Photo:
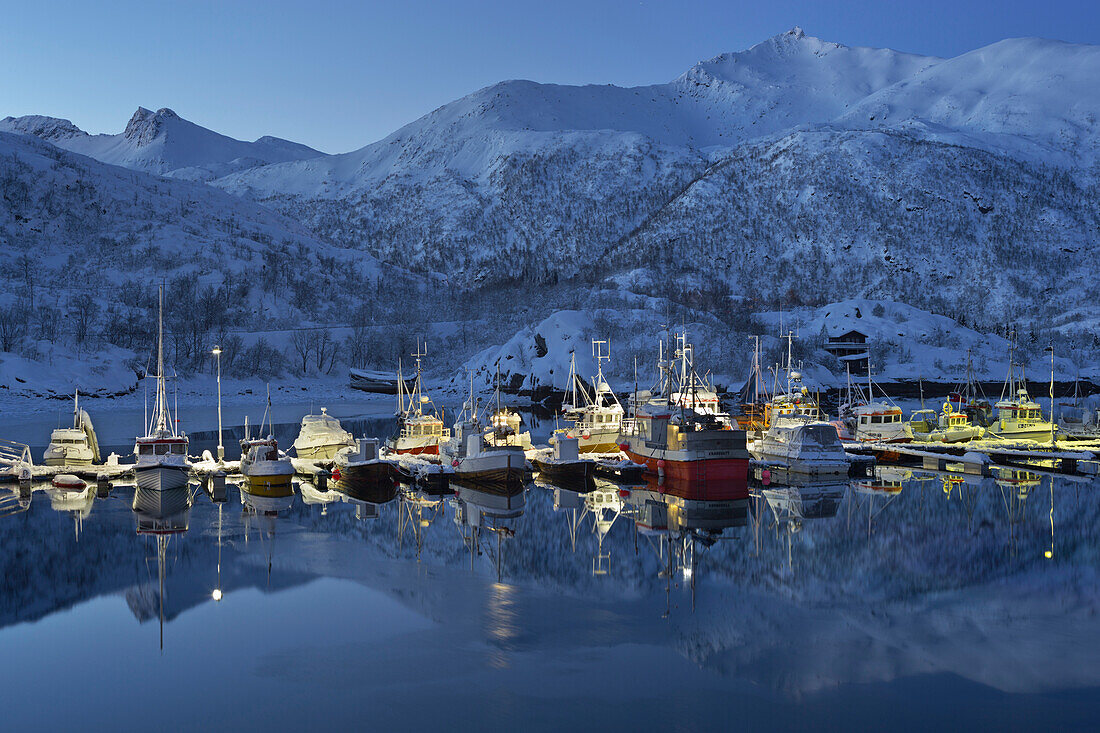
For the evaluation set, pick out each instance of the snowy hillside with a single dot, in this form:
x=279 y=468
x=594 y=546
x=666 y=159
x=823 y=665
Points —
x=83 y=246
x=842 y=172
x=164 y=143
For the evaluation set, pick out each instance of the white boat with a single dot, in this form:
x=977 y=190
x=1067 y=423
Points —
x=161 y=453
x=807 y=447
x=75 y=446
x=596 y=419
x=419 y=430
x=320 y=437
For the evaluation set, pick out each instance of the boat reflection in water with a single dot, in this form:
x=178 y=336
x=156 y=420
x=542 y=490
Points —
x=417 y=511
x=787 y=499
x=75 y=501
x=262 y=511
x=494 y=508
x=162 y=514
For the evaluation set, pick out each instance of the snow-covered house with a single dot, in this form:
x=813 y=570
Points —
x=850 y=347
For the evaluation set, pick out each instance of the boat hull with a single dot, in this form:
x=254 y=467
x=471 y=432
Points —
x=420 y=450
x=372 y=481
x=579 y=476
x=500 y=472
x=278 y=485
x=68 y=462
x=319 y=452
x=161 y=478
x=710 y=478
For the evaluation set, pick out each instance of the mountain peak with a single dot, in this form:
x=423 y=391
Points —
x=145 y=125
x=41 y=126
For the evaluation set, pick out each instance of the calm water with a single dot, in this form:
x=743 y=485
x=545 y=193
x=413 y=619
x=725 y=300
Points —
x=909 y=601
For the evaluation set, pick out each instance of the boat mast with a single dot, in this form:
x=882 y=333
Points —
x=400 y=387
x=417 y=389
x=160 y=410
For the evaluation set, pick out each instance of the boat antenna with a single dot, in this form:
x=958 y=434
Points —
x=1053 y=437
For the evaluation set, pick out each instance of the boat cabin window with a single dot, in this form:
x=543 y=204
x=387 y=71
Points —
x=876 y=418
x=145 y=450
x=179 y=449
x=161 y=449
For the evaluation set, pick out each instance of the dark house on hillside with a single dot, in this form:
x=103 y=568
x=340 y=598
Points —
x=851 y=348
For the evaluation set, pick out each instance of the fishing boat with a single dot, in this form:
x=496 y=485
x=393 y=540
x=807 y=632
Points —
x=75 y=446
x=1075 y=421
x=683 y=438
x=564 y=466
x=1016 y=416
x=810 y=447
x=161 y=453
x=495 y=460
x=947 y=426
x=419 y=430
x=266 y=470
x=361 y=473
x=866 y=418
x=796 y=404
x=597 y=418
x=320 y=437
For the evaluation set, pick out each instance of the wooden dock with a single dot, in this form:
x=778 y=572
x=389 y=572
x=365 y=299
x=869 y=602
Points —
x=981 y=457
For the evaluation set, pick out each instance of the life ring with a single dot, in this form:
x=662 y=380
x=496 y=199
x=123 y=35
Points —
x=586 y=434
x=946 y=408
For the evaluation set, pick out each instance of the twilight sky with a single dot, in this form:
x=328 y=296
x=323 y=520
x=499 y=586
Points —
x=338 y=75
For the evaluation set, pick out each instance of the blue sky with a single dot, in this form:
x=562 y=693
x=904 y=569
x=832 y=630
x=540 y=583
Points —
x=339 y=75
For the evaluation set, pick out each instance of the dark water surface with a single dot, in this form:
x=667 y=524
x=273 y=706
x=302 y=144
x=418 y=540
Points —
x=912 y=601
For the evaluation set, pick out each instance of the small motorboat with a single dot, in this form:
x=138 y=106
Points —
x=69 y=482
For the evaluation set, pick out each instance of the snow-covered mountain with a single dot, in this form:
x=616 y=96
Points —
x=860 y=172
x=793 y=174
x=84 y=244
x=164 y=143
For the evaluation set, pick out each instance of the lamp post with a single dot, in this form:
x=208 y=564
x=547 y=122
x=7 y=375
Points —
x=217 y=352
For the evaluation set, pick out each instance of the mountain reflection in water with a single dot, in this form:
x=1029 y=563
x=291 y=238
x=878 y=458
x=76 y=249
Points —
x=799 y=591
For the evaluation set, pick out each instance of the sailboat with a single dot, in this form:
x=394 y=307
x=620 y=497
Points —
x=75 y=446
x=162 y=461
x=419 y=431
x=597 y=418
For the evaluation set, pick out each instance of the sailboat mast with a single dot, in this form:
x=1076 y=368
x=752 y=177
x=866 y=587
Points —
x=162 y=397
